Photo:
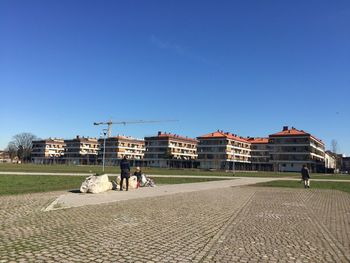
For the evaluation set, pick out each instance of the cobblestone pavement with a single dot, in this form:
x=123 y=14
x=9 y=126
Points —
x=236 y=224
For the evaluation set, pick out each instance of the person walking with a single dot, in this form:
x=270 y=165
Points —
x=124 y=173
x=305 y=176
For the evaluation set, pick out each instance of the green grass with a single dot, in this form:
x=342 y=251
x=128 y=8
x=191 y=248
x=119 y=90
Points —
x=157 y=171
x=114 y=169
x=335 y=176
x=342 y=186
x=23 y=184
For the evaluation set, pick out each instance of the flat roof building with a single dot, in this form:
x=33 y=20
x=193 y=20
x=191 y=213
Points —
x=81 y=150
x=46 y=151
x=119 y=146
x=170 y=150
x=5 y=157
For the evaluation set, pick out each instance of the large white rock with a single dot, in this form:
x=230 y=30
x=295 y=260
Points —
x=132 y=182
x=96 y=184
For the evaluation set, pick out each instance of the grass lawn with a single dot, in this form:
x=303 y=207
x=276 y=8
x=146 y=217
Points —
x=22 y=184
x=342 y=186
x=57 y=168
x=114 y=169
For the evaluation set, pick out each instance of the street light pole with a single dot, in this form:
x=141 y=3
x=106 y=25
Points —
x=233 y=157
x=104 y=149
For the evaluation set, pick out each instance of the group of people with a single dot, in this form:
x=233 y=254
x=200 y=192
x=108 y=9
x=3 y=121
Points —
x=125 y=174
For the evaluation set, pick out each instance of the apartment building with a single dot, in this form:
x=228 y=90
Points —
x=346 y=165
x=170 y=150
x=224 y=150
x=4 y=157
x=330 y=162
x=260 y=154
x=47 y=151
x=291 y=148
x=81 y=150
x=119 y=146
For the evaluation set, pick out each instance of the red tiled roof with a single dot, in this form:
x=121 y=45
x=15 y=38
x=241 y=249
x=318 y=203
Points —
x=258 y=140
x=290 y=132
x=294 y=132
x=165 y=135
x=221 y=134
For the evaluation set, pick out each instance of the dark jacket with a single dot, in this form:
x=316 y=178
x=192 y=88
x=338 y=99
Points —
x=138 y=175
x=125 y=167
x=305 y=175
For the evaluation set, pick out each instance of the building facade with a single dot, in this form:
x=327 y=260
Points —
x=330 y=162
x=48 y=151
x=81 y=150
x=5 y=157
x=260 y=154
x=170 y=150
x=119 y=146
x=224 y=150
x=346 y=165
x=290 y=149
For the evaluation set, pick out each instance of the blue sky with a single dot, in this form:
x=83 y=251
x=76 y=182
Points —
x=248 y=67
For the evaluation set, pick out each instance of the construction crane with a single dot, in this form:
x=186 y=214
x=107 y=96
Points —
x=110 y=123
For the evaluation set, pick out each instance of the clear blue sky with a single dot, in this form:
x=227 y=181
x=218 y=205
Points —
x=247 y=67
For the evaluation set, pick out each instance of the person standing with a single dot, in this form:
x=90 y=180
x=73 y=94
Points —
x=305 y=176
x=124 y=173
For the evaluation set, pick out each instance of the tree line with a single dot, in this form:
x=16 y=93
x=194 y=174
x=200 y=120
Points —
x=21 y=146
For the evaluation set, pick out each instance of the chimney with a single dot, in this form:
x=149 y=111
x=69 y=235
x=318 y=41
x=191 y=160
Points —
x=285 y=128
x=159 y=133
x=78 y=137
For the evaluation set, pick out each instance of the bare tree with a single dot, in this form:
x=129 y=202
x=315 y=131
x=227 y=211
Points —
x=334 y=146
x=12 y=151
x=22 y=144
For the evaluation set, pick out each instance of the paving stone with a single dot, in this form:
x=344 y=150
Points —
x=238 y=224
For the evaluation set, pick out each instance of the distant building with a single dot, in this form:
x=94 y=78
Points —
x=47 y=151
x=260 y=154
x=291 y=148
x=339 y=158
x=4 y=157
x=330 y=162
x=346 y=164
x=81 y=150
x=170 y=150
x=224 y=150
x=119 y=146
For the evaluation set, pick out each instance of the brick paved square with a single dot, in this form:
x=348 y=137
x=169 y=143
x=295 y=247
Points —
x=235 y=224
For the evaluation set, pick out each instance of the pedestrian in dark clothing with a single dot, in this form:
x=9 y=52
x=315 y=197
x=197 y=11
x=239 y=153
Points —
x=138 y=174
x=305 y=176
x=124 y=173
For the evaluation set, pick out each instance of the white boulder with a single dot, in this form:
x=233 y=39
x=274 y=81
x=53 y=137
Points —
x=132 y=182
x=96 y=184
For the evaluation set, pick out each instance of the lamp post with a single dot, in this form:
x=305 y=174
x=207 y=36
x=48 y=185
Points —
x=233 y=157
x=104 y=149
